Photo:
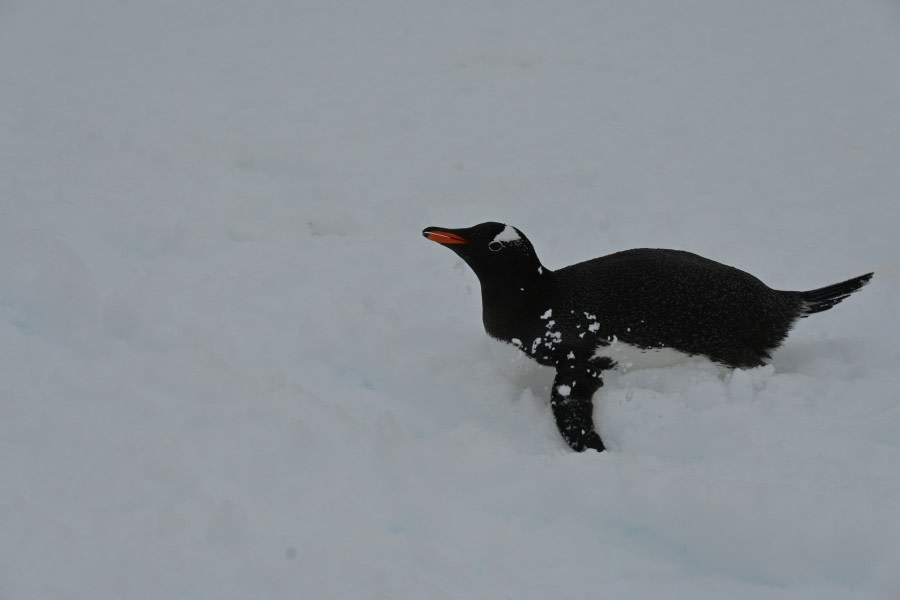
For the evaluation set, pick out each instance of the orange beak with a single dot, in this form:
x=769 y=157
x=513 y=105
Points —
x=444 y=237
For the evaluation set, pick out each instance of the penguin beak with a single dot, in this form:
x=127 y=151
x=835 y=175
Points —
x=436 y=234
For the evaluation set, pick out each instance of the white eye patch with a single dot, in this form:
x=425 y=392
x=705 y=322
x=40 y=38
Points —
x=509 y=234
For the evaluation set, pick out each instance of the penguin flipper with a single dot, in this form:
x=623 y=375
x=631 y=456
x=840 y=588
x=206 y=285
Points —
x=573 y=408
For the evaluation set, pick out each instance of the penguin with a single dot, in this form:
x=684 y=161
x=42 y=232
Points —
x=635 y=308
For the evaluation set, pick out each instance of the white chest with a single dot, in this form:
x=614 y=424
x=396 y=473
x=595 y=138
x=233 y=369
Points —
x=524 y=371
x=520 y=368
x=628 y=357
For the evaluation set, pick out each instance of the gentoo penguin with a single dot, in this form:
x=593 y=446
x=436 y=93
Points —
x=635 y=308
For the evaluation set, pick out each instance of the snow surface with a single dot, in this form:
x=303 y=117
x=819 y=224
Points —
x=232 y=368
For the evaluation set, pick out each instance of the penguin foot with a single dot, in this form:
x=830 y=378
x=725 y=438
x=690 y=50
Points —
x=573 y=409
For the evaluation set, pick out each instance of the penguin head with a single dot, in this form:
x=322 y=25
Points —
x=493 y=250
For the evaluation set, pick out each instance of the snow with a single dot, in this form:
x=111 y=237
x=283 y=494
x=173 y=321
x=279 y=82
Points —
x=232 y=367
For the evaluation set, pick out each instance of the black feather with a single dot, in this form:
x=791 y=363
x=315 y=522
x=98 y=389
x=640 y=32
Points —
x=824 y=298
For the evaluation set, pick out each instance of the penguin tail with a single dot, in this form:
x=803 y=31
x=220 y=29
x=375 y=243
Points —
x=824 y=298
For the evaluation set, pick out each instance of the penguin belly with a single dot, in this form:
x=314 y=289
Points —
x=520 y=368
x=524 y=371
x=628 y=357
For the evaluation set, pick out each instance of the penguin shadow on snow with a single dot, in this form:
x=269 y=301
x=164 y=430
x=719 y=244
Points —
x=635 y=309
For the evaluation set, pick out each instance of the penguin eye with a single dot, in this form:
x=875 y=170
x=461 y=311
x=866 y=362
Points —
x=495 y=246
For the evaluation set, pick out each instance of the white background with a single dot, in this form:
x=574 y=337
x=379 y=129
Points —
x=231 y=367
